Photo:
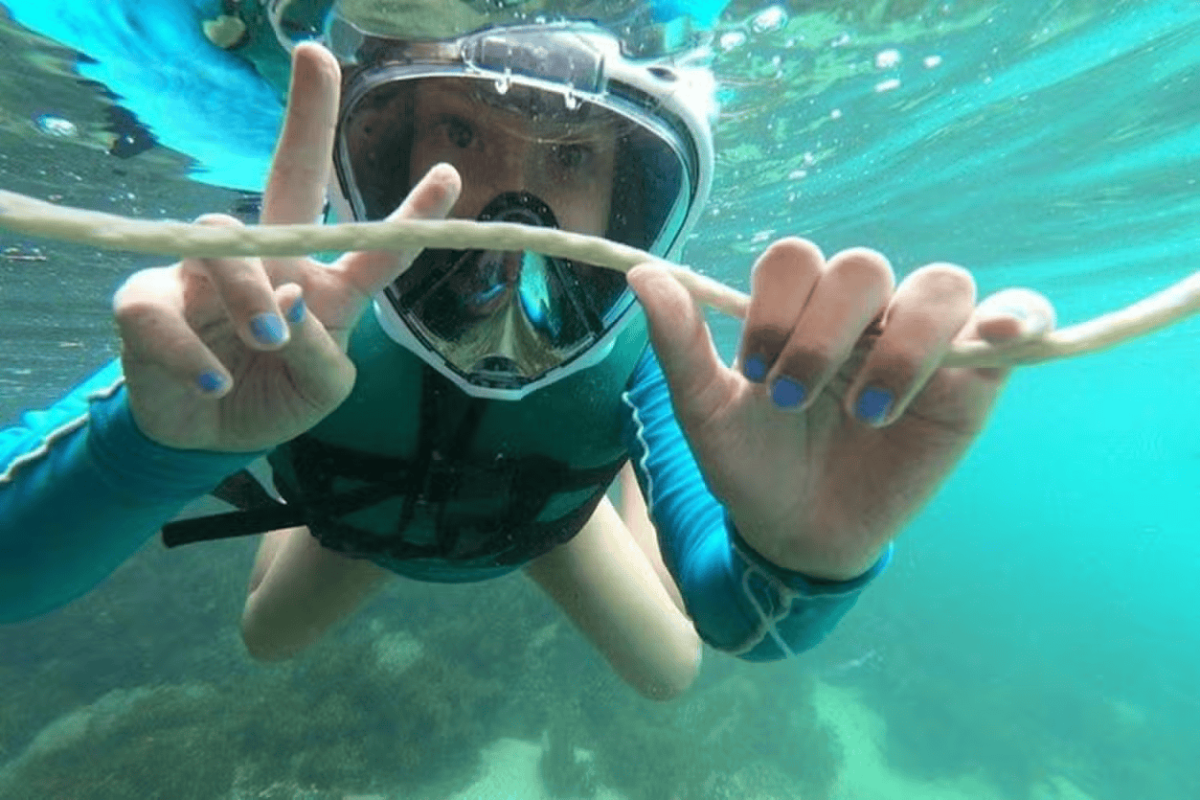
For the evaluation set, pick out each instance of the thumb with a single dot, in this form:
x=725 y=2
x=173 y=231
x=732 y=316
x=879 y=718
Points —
x=681 y=340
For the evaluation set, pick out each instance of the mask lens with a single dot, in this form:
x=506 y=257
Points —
x=527 y=154
x=562 y=147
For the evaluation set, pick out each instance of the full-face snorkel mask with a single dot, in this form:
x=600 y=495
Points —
x=549 y=125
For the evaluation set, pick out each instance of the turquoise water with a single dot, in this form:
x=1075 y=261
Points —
x=1038 y=624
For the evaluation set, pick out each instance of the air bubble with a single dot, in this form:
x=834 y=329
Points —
x=770 y=19
x=52 y=125
x=731 y=40
x=504 y=82
x=887 y=59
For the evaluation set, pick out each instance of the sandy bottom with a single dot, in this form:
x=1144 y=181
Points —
x=511 y=773
x=511 y=766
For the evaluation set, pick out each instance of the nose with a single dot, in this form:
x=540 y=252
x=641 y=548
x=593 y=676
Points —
x=510 y=168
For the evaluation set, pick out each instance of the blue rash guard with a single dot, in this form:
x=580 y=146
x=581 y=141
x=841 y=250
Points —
x=82 y=489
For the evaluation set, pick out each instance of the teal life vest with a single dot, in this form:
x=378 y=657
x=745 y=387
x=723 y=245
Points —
x=410 y=470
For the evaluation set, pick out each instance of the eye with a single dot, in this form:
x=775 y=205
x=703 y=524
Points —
x=459 y=132
x=572 y=156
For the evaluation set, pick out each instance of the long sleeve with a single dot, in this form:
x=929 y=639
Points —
x=81 y=489
x=739 y=602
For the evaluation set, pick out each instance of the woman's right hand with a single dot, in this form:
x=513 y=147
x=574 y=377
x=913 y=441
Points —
x=243 y=354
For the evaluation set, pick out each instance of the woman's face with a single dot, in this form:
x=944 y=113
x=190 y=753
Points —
x=565 y=162
x=524 y=154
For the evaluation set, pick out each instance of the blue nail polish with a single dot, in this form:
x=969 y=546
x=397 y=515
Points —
x=295 y=314
x=787 y=393
x=873 y=405
x=210 y=382
x=268 y=329
x=755 y=368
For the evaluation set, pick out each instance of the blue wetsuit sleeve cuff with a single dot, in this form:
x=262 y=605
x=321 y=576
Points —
x=798 y=581
x=792 y=612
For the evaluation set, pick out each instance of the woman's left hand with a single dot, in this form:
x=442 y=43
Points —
x=836 y=424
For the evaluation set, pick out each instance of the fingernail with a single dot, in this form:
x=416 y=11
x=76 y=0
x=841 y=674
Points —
x=787 y=393
x=295 y=314
x=755 y=368
x=1020 y=312
x=1032 y=324
x=211 y=382
x=873 y=405
x=268 y=329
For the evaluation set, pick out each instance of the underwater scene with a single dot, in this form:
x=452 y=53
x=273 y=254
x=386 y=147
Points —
x=1036 y=635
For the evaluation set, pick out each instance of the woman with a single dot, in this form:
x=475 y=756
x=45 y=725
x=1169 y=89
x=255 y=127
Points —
x=456 y=415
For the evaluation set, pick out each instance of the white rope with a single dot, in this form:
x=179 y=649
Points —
x=187 y=240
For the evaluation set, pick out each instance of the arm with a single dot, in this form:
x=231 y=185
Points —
x=740 y=602
x=833 y=428
x=82 y=489
x=222 y=359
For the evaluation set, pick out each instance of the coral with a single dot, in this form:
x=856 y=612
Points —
x=346 y=718
x=140 y=743
x=340 y=720
x=374 y=709
x=686 y=749
x=567 y=771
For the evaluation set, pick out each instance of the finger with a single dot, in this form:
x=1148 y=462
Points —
x=780 y=285
x=300 y=170
x=851 y=293
x=321 y=372
x=156 y=336
x=245 y=292
x=432 y=198
x=1011 y=316
x=682 y=341
x=927 y=312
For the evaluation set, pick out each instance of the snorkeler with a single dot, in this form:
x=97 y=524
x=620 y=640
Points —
x=457 y=415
